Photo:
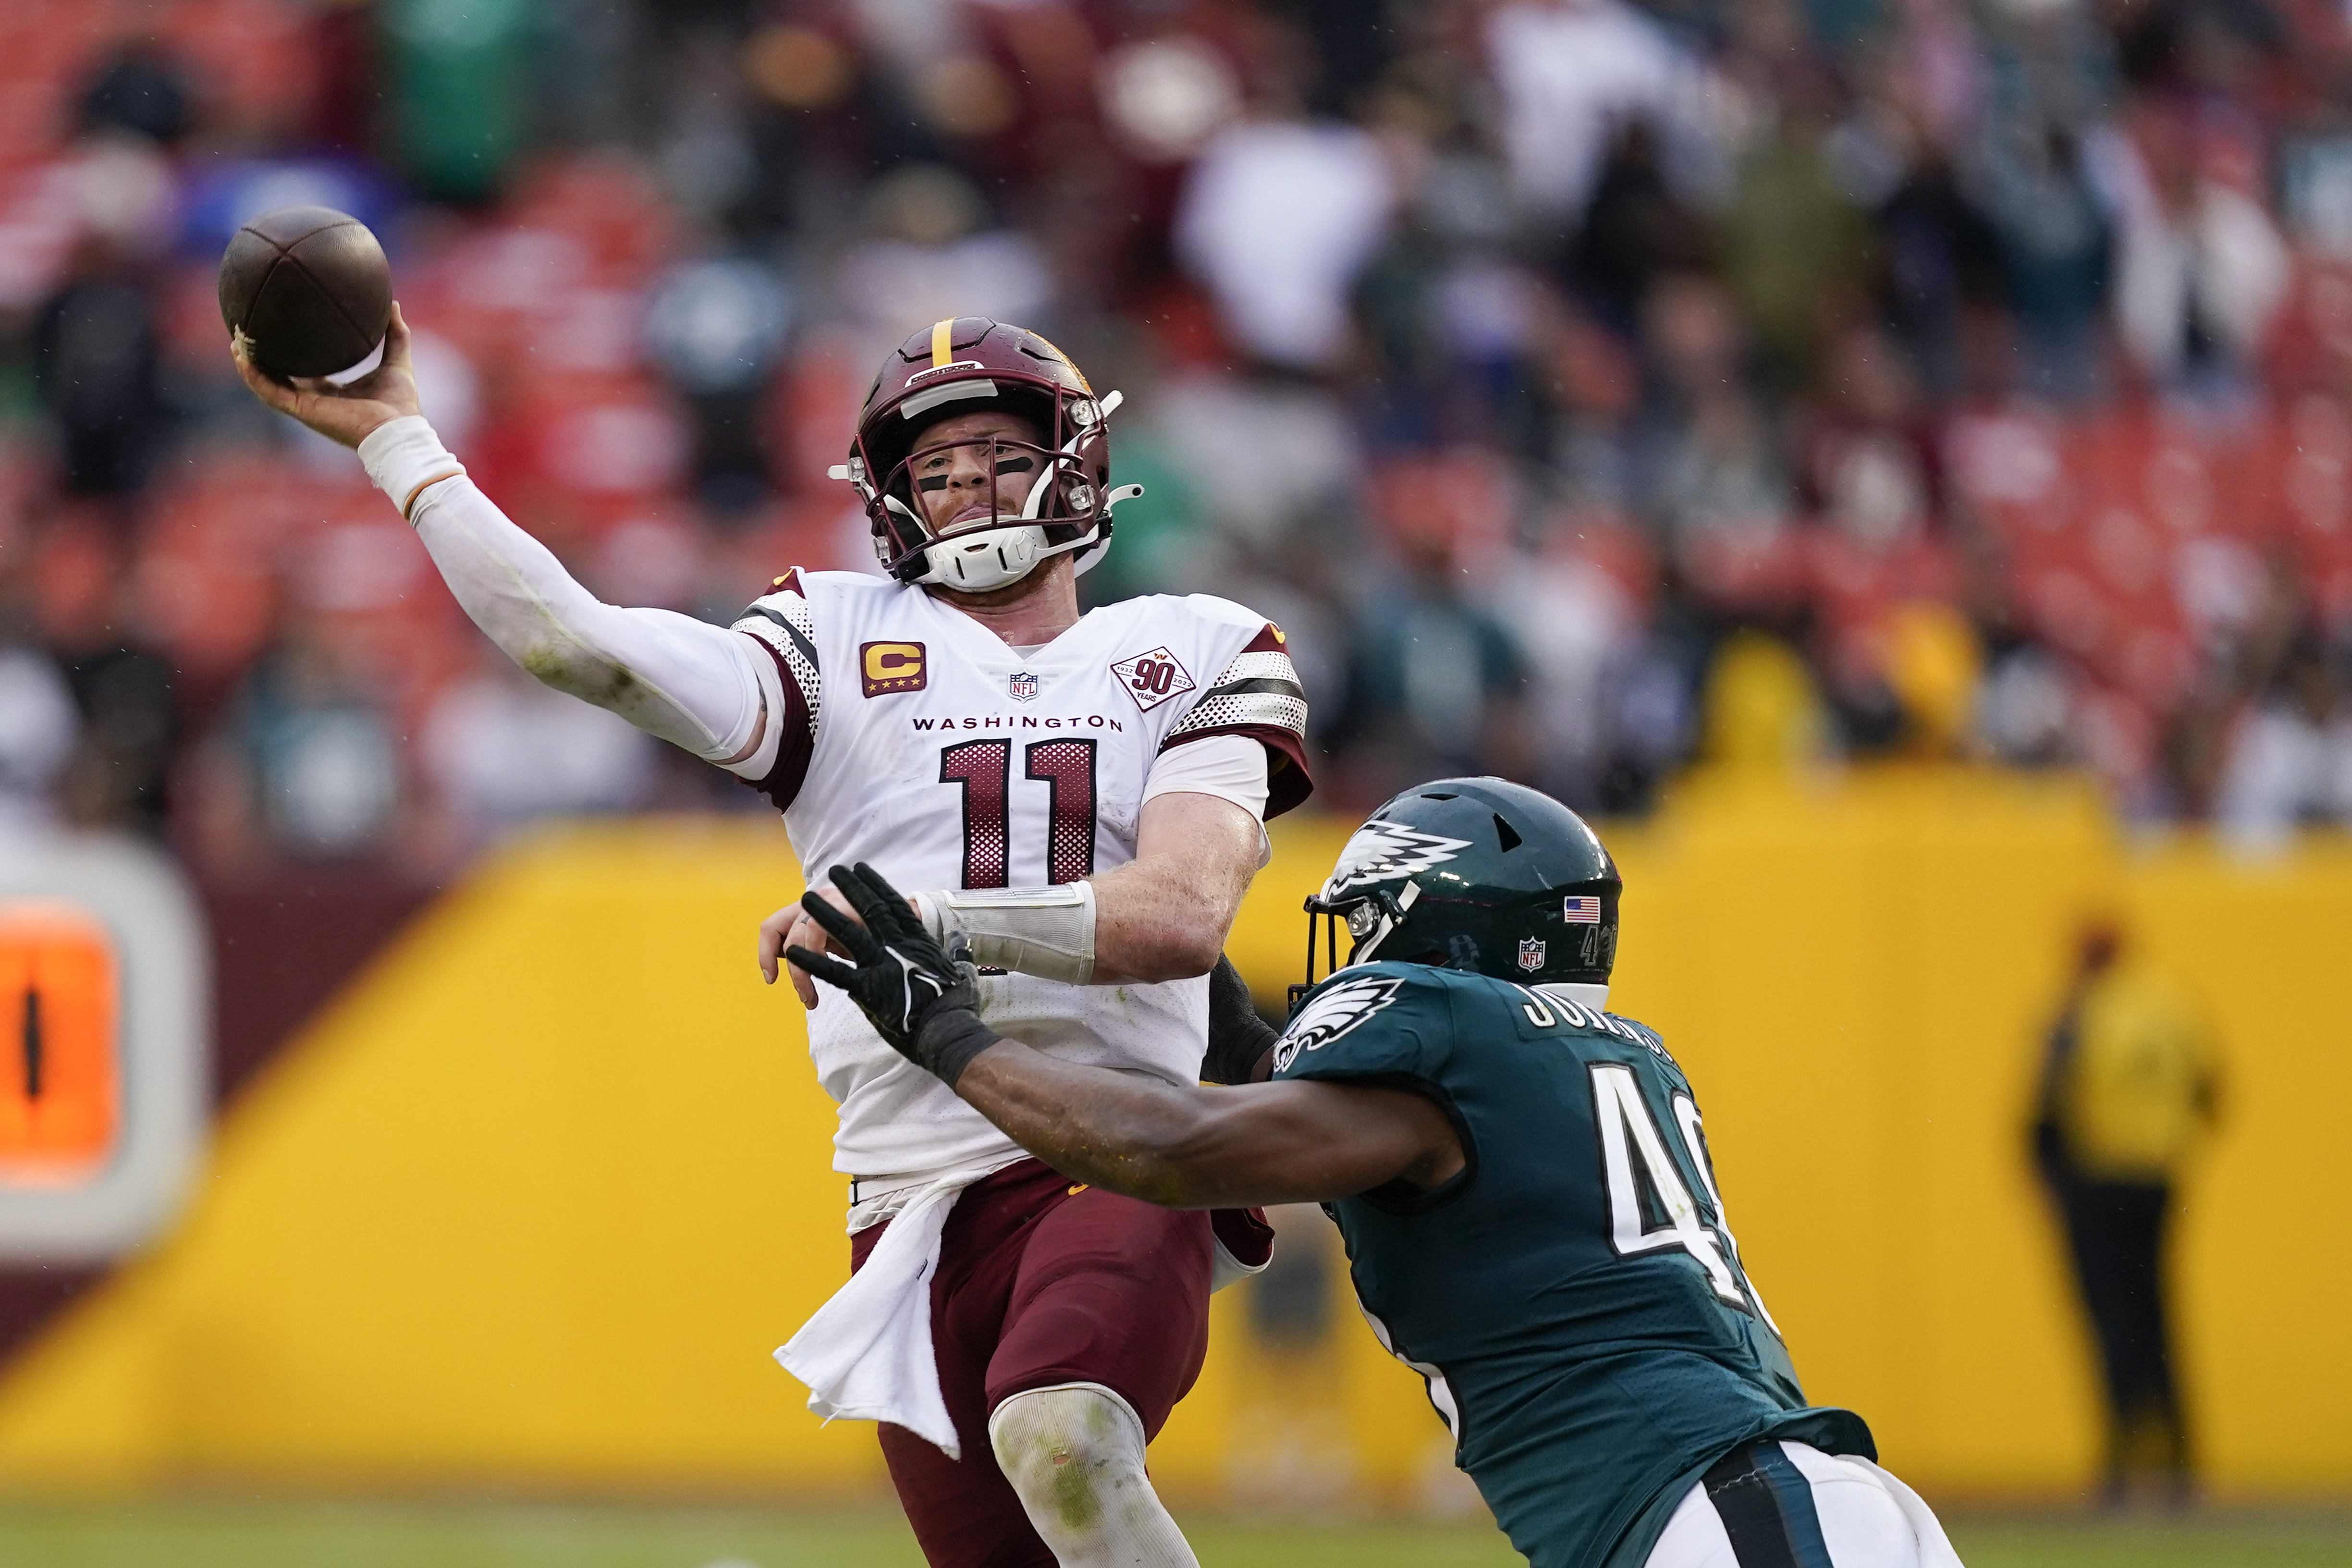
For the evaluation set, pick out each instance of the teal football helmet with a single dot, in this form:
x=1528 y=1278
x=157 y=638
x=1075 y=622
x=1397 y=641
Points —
x=1477 y=874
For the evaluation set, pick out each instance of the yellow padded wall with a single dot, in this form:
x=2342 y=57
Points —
x=530 y=1205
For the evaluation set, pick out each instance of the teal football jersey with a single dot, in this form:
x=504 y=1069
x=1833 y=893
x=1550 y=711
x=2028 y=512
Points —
x=1574 y=1297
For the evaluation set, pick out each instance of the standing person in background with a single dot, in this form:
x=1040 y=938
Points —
x=2126 y=1087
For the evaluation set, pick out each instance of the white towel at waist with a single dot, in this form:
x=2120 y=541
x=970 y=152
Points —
x=867 y=1354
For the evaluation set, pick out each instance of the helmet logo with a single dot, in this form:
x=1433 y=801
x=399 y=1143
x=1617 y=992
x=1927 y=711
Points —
x=1383 y=851
x=1022 y=686
x=1580 y=908
x=1532 y=952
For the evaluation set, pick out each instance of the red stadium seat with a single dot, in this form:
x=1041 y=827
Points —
x=610 y=203
x=254 y=62
x=2313 y=460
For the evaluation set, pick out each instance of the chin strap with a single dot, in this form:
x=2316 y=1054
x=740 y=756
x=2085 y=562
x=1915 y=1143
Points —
x=1392 y=913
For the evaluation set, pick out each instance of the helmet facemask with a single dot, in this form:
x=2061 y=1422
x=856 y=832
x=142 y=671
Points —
x=1060 y=512
x=1067 y=506
x=1370 y=915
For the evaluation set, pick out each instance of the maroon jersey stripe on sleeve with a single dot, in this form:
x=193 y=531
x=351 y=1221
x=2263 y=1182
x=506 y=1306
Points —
x=1244 y=1233
x=782 y=782
x=781 y=624
x=1269 y=640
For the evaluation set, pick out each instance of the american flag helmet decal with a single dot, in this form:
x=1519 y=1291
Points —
x=1580 y=908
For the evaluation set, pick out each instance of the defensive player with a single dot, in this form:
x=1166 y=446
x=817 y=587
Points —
x=1531 y=1217
x=1081 y=800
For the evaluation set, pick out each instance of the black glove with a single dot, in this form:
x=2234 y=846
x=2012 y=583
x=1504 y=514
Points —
x=1238 y=1037
x=922 y=999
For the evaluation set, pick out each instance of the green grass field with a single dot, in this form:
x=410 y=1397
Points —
x=221 y=1534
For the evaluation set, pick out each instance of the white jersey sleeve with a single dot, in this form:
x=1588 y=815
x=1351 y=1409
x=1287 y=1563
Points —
x=1231 y=767
x=694 y=685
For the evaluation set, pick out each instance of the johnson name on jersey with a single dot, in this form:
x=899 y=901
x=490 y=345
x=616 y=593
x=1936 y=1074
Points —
x=913 y=738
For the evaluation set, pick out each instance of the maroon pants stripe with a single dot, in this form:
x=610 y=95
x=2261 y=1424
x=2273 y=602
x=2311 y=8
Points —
x=1043 y=1282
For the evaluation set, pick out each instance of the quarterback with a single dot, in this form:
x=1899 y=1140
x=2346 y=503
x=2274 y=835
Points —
x=1078 y=801
x=1532 y=1218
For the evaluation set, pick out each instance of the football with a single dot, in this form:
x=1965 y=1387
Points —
x=308 y=289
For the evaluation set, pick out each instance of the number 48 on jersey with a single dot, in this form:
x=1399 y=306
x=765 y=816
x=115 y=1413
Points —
x=1645 y=1180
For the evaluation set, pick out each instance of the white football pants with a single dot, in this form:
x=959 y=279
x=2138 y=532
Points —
x=1788 y=1505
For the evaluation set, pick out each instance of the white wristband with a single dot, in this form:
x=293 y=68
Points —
x=403 y=456
x=1045 y=932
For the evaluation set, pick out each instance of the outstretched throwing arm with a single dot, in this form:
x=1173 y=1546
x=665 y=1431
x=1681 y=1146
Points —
x=695 y=684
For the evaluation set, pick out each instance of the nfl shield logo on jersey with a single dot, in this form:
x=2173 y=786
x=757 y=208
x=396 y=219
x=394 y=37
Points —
x=1023 y=686
x=1532 y=952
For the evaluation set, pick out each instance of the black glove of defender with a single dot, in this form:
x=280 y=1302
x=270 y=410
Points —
x=923 y=1000
x=1238 y=1037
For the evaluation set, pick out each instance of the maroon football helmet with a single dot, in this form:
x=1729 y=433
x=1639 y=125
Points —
x=962 y=366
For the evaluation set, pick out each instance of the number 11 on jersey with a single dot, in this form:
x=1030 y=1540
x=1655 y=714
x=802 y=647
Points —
x=983 y=769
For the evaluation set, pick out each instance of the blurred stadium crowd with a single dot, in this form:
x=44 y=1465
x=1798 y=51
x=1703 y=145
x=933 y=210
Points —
x=1589 y=387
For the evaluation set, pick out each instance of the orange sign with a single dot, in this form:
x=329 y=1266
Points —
x=60 y=1089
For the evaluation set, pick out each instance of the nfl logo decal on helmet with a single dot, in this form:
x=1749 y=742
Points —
x=1023 y=687
x=1531 y=954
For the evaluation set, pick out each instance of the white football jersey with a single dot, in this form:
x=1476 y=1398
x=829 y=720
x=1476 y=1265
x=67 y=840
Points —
x=917 y=740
